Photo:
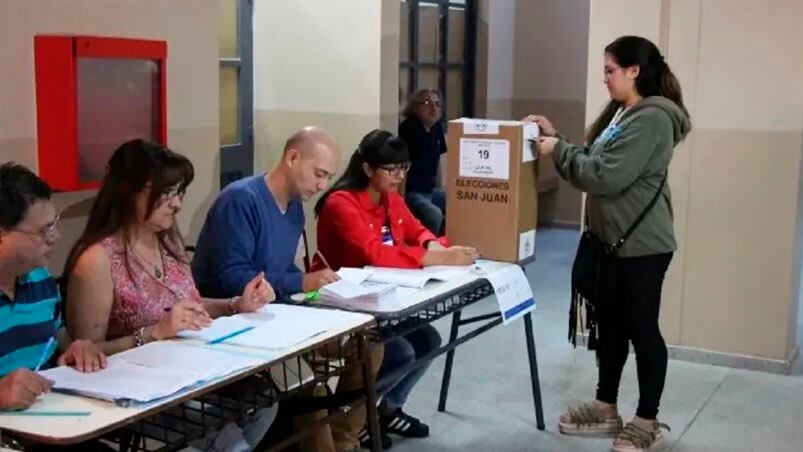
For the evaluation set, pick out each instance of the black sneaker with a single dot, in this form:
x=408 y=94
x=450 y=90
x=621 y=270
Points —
x=365 y=439
x=400 y=423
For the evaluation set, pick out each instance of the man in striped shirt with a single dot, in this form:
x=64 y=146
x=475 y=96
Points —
x=31 y=329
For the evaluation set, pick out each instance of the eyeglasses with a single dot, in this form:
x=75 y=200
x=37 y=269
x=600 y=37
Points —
x=609 y=70
x=397 y=170
x=429 y=103
x=171 y=192
x=46 y=234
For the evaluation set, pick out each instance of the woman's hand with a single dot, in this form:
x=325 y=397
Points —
x=187 y=315
x=460 y=255
x=545 y=126
x=545 y=145
x=435 y=245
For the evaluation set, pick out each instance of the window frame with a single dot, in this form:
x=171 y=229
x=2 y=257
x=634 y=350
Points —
x=237 y=159
x=412 y=65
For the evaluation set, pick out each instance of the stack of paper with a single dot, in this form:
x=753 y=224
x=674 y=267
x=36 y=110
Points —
x=150 y=372
x=417 y=278
x=393 y=300
x=347 y=290
x=355 y=284
x=354 y=275
x=275 y=327
x=221 y=329
x=287 y=325
x=449 y=272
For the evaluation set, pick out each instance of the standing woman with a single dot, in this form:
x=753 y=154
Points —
x=623 y=170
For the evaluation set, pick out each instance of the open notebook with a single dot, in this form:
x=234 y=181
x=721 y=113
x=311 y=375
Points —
x=151 y=372
x=417 y=278
x=275 y=327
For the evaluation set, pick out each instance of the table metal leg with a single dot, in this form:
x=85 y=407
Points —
x=370 y=394
x=535 y=380
x=447 y=370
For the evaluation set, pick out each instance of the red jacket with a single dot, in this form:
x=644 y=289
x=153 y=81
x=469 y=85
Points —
x=349 y=232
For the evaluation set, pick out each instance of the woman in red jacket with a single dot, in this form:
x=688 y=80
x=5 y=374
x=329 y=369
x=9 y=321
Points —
x=363 y=220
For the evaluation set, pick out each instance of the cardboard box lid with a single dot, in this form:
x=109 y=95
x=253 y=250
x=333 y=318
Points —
x=477 y=126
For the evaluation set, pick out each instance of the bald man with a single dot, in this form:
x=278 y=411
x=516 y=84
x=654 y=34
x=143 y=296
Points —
x=255 y=223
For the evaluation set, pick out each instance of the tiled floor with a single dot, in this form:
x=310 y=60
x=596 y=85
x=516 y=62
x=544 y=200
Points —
x=490 y=405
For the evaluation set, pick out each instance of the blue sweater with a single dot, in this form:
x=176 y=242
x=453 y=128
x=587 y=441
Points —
x=246 y=233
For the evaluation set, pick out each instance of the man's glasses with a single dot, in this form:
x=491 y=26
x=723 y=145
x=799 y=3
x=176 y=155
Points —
x=46 y=234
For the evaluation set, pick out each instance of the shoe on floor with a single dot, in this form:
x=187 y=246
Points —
x=384 y=439
x=633 y=438
x=587 y=419
x=400 y=423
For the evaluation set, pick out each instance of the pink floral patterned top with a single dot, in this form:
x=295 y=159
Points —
x=139 y=298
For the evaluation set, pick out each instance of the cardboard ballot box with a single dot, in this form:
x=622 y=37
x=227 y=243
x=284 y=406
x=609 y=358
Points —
x=492 y=187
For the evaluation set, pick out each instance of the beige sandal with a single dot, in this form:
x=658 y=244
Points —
x=587 y=419
x=633 y=438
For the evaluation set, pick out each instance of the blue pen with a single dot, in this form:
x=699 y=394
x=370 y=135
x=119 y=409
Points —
x=231 y=335
x=46 y=353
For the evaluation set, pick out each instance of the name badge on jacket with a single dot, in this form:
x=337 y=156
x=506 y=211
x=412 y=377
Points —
x=387 y=237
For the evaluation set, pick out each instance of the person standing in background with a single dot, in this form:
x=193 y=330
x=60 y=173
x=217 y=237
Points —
x=423 y=133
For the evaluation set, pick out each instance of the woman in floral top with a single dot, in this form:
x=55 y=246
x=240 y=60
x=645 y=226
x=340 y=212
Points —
x=128 y=277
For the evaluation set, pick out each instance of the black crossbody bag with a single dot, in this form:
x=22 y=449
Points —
x=593 y=273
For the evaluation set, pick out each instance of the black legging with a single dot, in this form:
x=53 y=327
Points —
x=629 y=313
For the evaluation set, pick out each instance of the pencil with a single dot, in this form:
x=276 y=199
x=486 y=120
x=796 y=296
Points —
x=323 y=259
x=231 y=335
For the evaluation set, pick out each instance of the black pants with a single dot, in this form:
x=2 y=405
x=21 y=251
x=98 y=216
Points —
x=627 y=313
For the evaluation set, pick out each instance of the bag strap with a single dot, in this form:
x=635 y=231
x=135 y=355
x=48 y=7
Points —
x=643 y=214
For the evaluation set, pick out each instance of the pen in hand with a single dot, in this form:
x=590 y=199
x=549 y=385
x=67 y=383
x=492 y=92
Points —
x=323 y=259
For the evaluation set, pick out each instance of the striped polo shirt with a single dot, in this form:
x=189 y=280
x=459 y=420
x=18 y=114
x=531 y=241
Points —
x=28 y=322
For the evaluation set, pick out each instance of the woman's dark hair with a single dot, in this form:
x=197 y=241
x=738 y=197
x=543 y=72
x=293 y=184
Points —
x=654 y=79
x=131 y=168
x=378 y=148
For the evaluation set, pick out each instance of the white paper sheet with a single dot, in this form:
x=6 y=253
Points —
x=347 y=289
x=513 y=292
x=484 y=158
x=395 y=300
x=220 y=327
x=449 y=272
x=354 y=275
x=400 y=277
x=150 y=372
x=417 y=278
x=284 y=326
x=526 y=244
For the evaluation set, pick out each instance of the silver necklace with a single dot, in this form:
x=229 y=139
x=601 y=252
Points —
x=157 y=271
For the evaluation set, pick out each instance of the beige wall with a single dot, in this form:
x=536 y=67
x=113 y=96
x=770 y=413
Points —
x=734 y=284
x=499 y=58
x=550 y=78
x=324 y=63
x=532 y=59
x=190 y=29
